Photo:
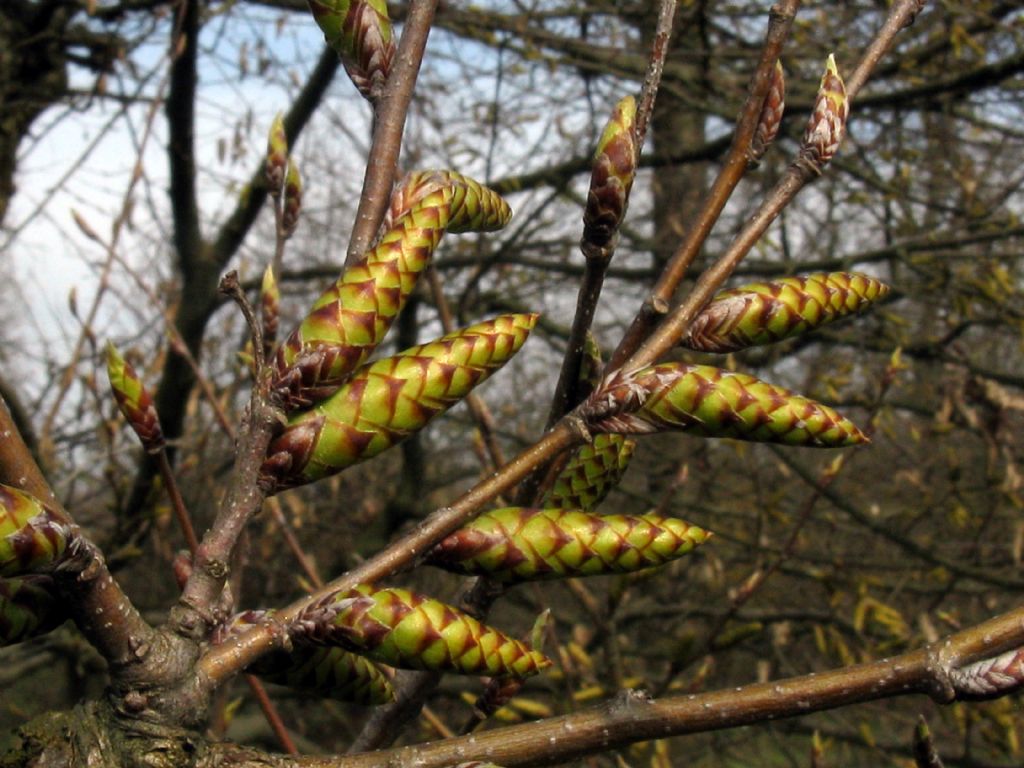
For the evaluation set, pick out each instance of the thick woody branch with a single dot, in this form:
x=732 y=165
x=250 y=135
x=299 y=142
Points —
x=633 y=717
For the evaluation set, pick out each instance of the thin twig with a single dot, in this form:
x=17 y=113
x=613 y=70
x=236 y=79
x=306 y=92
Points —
x=177 y=503
x=733 y=169
x=382 y=163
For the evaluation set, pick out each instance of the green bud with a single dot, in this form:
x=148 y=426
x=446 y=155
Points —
x=277 y=155
x=612 y=176
x=712 y=402
x=352 y=317
x=592 y=472
x=520 y=544
x=134 y=400
x=327 y=672
x=762 y=313
x=360 y=32
x=33 y=536
x=410 y=631
x=386 y=401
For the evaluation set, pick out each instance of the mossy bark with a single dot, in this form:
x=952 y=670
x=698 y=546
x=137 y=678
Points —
x=93 y=736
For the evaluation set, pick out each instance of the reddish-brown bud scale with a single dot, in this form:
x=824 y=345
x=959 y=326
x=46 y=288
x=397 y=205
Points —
x=361 y=33
x=292 y=200
x=771 y=115
x=827 y=124
x=410 y=631
x=612 y=177
x=766 y=312
x=277 y=156
x=134 y=401
x=521 y=544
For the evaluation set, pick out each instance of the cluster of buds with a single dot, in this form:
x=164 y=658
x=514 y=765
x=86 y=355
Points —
x=28 y=607
x=34 y=538
x=611 y=179
x=591 y=473
x=332 y=673
x=827 y=124
x=134 y=401
x=361 y=34
x=712 y=402
x=351 y=318
x=766 y=312
x=521 y=544
x=388 y=400
x=411 y=631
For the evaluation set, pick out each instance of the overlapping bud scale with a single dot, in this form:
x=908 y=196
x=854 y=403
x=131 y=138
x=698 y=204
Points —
x=277 y=156
x=411 y=631
x=352 y=317
x=292 y=199
x=612 y=176
x=33 y=536
x=770 y=119
x=827 y=123
x=333 y=673
x=360 y=32
x=134 y=401
x=594 y=470
x=712 y=402
x=522 y=544
x=388 y=400
x=766 y=312
x=28 y=607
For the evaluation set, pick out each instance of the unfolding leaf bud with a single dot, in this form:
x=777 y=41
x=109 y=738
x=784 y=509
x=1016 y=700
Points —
x=388 y=400
x=134 y=401
x=712 y=402
x=360 y=32
x=327 y=672
x=33 y=536
x=352 y=317
x=766 y=312
x=594 y=470
x=277 y=156
x=292 y=200
x=612 y=176
x=771 y=115
x=521 y=544
x=411 y=631
x=827 y=124
x=270 y=306
x=28 y=607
